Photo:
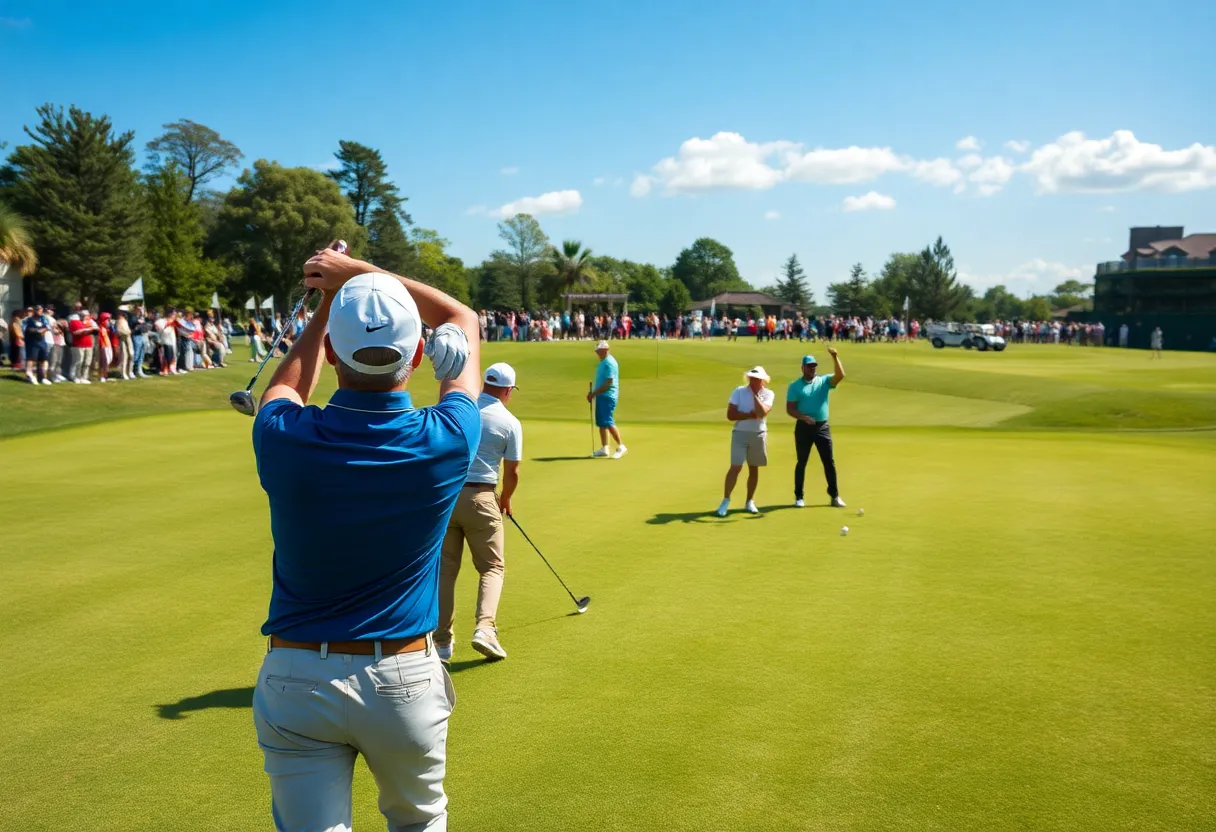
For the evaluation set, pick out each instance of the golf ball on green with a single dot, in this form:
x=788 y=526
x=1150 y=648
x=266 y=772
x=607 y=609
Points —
x=860 y=512
x=844 y=530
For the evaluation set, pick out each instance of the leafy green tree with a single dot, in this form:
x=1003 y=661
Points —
x=363 y=176
x=675 y=300
x=1072 y=293
x=890 y=286
x=436 y=267
x=388 y=246
x=643 y=282
x=1038 y=308
x=16 y=250
x=791 y=286
x=853 y=296
x=177 y=272
x=572 y=269
x=999 y=304
x=707 y=268
x=274 y=219
x=199 y=151
x=80 y=196
x=497 y=284
x=933 y=285
x=527 y=250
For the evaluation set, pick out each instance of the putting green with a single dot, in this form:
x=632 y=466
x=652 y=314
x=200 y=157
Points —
x=1018 y=634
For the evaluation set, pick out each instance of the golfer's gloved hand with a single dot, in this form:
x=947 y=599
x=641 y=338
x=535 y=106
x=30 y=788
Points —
x=448 y=350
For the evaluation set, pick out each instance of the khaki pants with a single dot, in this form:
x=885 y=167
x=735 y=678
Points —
x=478 y=520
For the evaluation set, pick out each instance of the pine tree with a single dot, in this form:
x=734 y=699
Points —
x=388 y=247
x=792 y=287
x=854 y=296
x=77 y=189
x=933 y=284
x=177 y=273
x=363 y=177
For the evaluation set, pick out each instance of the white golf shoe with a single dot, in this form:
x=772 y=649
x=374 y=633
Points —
x=445 y=652
x=620 y=452
x=47 y=381
x=838 y=503
x=722 y=508
x=751 y=507
x=799 y=503
x=485 y=642
x=602 y=453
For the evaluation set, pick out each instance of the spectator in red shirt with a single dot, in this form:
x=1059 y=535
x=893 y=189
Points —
x=82 y=330
x=105 y=348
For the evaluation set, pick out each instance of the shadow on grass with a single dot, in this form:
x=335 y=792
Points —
x=227 y=698
x=712 y=517
x=469 y=664
x=558 y=458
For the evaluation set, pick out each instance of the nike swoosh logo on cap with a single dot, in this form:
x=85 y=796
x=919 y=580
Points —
x=374 y=328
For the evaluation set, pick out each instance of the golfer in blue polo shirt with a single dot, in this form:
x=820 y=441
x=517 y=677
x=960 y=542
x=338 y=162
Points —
x=360 y=494
x=806 y=401
x=604 y=393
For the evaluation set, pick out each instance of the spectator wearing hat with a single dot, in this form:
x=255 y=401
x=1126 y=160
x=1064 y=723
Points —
x=807 y=403
x=37 y=355
x=748 y=409
x=604 y=393
x=105 y=348
x=82 y=331
x=478 y=515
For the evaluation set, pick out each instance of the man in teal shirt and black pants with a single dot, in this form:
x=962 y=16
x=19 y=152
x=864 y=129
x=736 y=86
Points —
x=807 y=402
x=604 y=394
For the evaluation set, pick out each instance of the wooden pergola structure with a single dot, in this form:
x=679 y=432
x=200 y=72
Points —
x=572 y=298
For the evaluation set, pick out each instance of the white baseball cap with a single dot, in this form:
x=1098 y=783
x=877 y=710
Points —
x=602 y=345
x=757 y=372
x=500 y=375
x=374 y=310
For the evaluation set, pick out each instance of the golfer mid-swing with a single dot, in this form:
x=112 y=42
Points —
x=360 y=494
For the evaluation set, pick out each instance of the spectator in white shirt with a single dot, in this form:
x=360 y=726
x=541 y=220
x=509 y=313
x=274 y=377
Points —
x=747 y=409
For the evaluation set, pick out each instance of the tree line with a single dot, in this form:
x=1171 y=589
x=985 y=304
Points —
x=82 y=218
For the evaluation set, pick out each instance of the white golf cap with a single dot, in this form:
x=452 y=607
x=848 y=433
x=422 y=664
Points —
x=602 y=345
x=500 y=375
x=757 y=372
x=374 y=310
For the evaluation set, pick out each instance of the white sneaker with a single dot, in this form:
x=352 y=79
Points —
x=620 y=452
x=486 y=643
x=445 y=652
x=751 y=507
x=60 y=379
x=799 y=503
x=602 y=453
x=84 y=381
x=838 y=503
x=722 y=508
x=141 y=374
x=47 y=381
x=30 y=378
x=103 y=380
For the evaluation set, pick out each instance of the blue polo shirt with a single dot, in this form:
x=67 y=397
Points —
x=811 y=396
x=608 y=371
x=360 y=495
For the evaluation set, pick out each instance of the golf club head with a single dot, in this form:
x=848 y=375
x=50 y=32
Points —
x=583 y=603
x=242 y=402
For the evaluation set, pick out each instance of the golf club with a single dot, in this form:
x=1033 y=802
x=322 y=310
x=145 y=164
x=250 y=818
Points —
x=580 y=604
x=591 y=414
x=242 y=401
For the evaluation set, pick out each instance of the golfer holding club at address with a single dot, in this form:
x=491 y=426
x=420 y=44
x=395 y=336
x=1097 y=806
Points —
x=604 y=394
x=748 y=407
x=360 y=493
x=478 y=517
x=807 y=402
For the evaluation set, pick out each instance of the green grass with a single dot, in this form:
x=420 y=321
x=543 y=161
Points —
x=1018 y=634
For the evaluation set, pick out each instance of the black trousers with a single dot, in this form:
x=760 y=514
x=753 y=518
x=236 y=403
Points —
x=819 y=435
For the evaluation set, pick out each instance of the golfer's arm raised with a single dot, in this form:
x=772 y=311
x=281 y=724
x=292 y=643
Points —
x=297 y=374
x=838 y=375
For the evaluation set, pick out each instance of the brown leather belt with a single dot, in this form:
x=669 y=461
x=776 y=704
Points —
x=480 y=486
x=388 y=647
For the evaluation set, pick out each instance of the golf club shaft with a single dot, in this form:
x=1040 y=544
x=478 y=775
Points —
x=278 y=339
x=542 y=557
x=591 y=414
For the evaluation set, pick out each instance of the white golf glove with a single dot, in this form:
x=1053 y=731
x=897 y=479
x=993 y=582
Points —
x=448 y=350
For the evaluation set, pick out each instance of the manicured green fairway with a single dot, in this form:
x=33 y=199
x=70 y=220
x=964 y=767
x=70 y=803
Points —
x=1019 y=634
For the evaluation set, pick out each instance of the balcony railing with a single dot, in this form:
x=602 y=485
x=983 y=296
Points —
x=1148 y=263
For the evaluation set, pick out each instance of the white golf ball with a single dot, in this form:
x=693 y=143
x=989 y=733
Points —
x=860 y=512
x=844 y=530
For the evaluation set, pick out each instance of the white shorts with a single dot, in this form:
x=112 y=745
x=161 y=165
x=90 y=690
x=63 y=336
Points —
x=749 y=448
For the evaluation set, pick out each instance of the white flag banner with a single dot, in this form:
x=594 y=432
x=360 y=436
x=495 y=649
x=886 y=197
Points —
x=135 y=291
x=251 y=304
x=907 y=303
x=215 y=300
x=713 y=307
x=268 y=303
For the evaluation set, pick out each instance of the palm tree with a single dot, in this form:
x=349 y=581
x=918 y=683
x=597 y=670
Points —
x=15 y=247
x=572 y=264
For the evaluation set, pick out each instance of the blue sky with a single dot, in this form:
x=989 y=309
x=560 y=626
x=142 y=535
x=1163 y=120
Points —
x=641 y=126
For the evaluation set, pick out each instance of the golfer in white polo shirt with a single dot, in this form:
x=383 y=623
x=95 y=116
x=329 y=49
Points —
x=747 y=408
x=478 y=517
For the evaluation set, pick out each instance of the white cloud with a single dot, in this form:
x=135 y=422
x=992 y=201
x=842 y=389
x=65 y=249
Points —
x=873 y=201
x=511 y=171
x=992 y=175
x=474 y=210
x=332 y=164
x=598 y=181
x=971 y=160
x=838 y=167
x=772 y=215
x=1017 y=146
x=725 y=160
x=554 y=204
x=641 y=185
x=968 y=143
x=1106 y=209
x=939 y=172
x=1075 y=164
x=1038 y=275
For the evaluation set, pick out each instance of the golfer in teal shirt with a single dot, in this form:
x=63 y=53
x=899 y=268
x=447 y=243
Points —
x=807 y=403
x=604 y=394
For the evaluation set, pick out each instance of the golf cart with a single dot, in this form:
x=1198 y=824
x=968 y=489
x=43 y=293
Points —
x=982 y=337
